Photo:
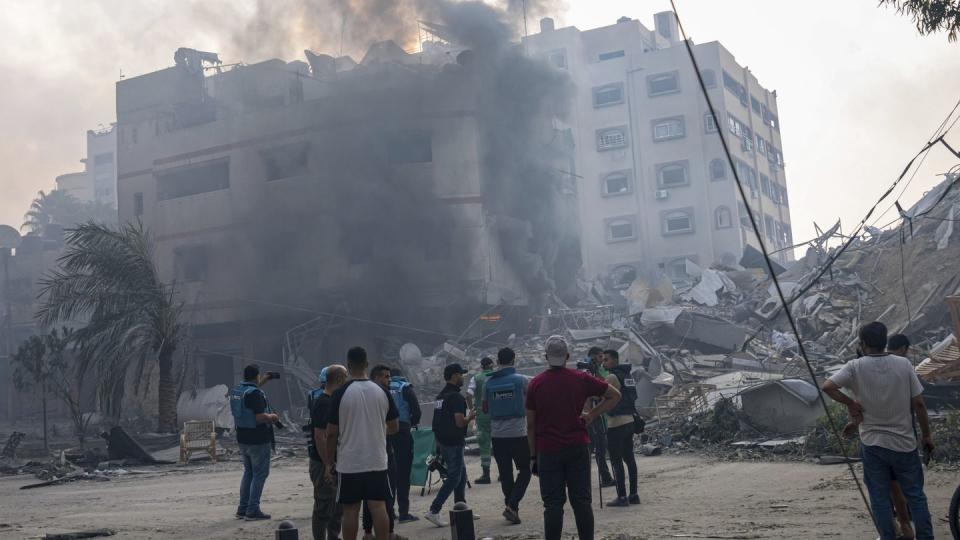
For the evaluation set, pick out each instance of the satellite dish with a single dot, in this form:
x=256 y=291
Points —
x=9 y=237
x=410 y=352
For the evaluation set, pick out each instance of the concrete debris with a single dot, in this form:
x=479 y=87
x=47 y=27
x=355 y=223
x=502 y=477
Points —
x=97 y=533
x=206 y=404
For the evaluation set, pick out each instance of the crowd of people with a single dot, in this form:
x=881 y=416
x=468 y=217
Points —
x=551 y=426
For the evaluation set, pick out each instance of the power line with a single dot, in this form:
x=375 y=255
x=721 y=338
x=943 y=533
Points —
x=769 y=263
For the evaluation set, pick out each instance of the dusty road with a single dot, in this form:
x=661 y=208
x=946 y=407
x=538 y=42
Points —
x=683 y=497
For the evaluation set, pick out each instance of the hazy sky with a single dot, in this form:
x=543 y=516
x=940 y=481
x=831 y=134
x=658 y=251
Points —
x=859 y=90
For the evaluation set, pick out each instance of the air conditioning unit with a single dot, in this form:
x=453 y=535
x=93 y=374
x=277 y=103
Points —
x=661 y=194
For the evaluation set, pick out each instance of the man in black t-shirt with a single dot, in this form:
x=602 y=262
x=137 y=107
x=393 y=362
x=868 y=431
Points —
x=326 y=512
x=450 y=421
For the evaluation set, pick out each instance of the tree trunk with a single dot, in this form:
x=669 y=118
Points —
x=43 y=398
x=168 y=392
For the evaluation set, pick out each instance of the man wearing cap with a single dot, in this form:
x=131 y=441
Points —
x=253 y=420
x=450 y=421
x=557 y=435
x=474 y=397
x=326 y=512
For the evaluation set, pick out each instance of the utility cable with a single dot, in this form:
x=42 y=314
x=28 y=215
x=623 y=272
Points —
x=769 y=263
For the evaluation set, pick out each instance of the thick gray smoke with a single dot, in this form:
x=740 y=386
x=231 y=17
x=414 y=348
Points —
x=389 y=222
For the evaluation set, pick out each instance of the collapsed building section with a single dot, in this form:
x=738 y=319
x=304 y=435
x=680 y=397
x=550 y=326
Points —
x=331 y=203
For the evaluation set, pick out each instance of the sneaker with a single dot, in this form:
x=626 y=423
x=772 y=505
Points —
x=608 y=482
x=634 y=499
x=618 y=502
x=408 y=518
x=256 y=516
x=435 y=519
x=240 y=514
x=511 y=515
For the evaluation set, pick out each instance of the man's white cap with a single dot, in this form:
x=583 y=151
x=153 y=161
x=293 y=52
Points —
x=557 y=351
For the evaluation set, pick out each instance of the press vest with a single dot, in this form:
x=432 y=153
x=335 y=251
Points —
x=397 y=386
x=243 y=416
x=628 y=391
x=503 y=391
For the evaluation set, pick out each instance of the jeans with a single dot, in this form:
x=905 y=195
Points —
x=880 y=466
x=392 y=479
x=598 y=445
x=327 y=514
x=510 y=452
x=561 y=473
x=620 y=442
x=256 y=468
x=402 y=445
x=456 y=480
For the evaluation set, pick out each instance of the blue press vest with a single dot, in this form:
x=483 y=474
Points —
x=312 y=397
x=503 y=391
x=628 y=391
x=243 y=416
x=397 y=385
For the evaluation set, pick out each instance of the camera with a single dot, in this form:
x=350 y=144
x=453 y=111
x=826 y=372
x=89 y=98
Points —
x=273 y=375
x=588 y=366
x=435 y=464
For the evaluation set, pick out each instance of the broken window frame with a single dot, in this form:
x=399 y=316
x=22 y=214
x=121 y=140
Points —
x=192 y=180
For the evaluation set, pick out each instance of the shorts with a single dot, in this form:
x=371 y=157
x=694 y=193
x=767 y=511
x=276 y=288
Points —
x=352 y=488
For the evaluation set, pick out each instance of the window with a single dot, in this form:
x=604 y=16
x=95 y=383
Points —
x=735 y=88
x=663 y=83
x=762 y=145
x=190 y=263
x=138 y=204
x=765 y=185
x=718 y=170
x=133 y=134
x=755 y=105
x=620 y=229
x=709 y=123
x=768 y=225
x=668 y=128
x=193 y=180
x=558 y=59
x=608 y=139
x=285 y=161
x=611 y=94
x=103 y=159
x=722 y=218
x=709 y=78
x=616 y=183
x=672 y=174
x=611 y=55
x=677 y=222
x=744 y=216
x=787 y=235
x=410 y=147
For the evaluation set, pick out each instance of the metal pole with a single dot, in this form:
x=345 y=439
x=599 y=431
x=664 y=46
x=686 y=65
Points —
x=8 y=329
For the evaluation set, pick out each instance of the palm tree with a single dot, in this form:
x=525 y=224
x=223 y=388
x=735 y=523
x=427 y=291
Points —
x=107 y=276
x=55 y=207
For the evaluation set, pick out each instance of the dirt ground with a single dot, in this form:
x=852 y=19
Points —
x=683 y=497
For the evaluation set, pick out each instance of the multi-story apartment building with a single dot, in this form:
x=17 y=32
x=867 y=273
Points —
x=654 y=185
x=98 y=181
x=364 y=196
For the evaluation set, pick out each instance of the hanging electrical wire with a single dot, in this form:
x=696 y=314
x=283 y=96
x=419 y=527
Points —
x=769 y=263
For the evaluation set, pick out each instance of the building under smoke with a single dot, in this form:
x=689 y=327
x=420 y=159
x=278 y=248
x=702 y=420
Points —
x=372 y=202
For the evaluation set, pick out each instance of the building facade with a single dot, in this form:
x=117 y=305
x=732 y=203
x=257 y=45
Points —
x=357 y=195
x=98 y=180
x=654 y=186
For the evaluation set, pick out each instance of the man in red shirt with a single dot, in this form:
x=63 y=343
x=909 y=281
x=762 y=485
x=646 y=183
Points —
x=557 y=434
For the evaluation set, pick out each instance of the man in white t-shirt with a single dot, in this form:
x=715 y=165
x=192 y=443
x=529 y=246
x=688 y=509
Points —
x=361 y=415
x=886 y=394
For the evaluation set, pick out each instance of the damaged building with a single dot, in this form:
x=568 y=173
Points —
x=655 y=188
x=303 y=207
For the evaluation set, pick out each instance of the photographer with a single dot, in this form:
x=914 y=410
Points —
x=253 y=419
x=592 y=364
